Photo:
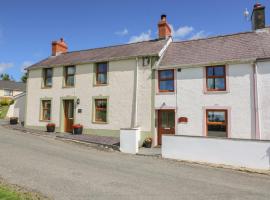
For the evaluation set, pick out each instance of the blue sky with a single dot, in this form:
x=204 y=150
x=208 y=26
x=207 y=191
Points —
x=27 y=27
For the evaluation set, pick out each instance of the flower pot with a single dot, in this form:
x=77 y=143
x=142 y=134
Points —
x=13 y=120
x=148 y=144
x=77 y=130
x=50 y=129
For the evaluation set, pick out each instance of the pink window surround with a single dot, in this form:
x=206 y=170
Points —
x=206 y=91
x=217 y=108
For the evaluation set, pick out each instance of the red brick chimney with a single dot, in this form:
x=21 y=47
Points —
x=59 y=47
x=164 y=30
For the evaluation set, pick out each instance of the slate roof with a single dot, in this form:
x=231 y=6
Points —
x=146 y=48
x=235 y=47
x=12 y=85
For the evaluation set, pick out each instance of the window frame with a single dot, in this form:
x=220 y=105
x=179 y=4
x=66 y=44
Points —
x=66 y=75
x=45 y=77
x=95 y=120
x=166 y=79
x=10 y=94
x=47 y=109
x=217 y=123
x=97 y=83
x=215 y=77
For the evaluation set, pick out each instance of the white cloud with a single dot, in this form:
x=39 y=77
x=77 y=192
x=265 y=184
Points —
x=122 y=33
x=25 y=64
x=4 y=66
x=181 y=32
x=199 y=35
x=142 y=37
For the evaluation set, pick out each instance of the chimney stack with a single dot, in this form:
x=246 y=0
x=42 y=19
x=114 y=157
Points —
x=258 y=17
x=164 y=30
x=59 y=47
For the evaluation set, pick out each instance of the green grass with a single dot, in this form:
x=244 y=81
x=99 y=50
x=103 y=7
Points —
x=9 y=194
x=3 y=111
x=13 y=192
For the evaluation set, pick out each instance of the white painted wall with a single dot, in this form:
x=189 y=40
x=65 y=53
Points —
x=238 y=153
x=263 y=78
x=120 y=91
x=17 y=109
x=129 y=140
x=192 y=101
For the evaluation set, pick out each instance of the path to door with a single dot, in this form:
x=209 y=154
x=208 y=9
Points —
x=67 y=171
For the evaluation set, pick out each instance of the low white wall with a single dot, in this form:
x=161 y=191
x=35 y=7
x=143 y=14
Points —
x=234 y=152
x=129 y=140
x=17 y=109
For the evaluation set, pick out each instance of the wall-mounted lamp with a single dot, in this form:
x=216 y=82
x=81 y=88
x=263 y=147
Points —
x=78 y=101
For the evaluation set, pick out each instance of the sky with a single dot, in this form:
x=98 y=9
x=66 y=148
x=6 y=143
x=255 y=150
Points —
x=27 y=27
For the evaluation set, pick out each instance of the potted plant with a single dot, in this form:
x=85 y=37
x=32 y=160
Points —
x=147 y=142
x=77 y=129
x=13 y=120
x=50 y=127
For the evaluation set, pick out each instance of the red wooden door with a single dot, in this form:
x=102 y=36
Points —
x=69 y=115
x=166 y=123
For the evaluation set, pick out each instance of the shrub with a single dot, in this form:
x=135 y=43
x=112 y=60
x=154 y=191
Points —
x=5 y=101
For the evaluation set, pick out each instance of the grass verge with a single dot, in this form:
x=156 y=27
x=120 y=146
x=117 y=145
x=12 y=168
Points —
x=14 y=192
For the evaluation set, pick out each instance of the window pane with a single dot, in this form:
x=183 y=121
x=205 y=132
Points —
x=166 y=85
x=219 y=71
x=70 y=70
x=46 y=109
x=101 y=115
x=102 y=78
x=210 y=83
x=70 y=81
x=164 y=119
x=171 y=119
x=217 y=126
x=48 y=81
x=216 y=116
x=102 y=67
x=165 y=74
x=210 y=71
x=220 y=83
x=101 y=110
x=70 y=110
x=48 y=72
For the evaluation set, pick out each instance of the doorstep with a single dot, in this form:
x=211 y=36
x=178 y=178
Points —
x=155 y=151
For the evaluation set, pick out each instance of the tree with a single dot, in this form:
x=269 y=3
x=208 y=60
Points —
x=24 y=78
x=5 y=77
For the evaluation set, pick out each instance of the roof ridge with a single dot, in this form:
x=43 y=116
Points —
x=217 y=36
x=116 y=45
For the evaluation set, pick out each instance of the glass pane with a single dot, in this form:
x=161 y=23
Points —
x=217 y=131
x=165 y=74
x=171 y=119
x=46 y=110
x=216 y=116
x=101 y=115
x=220 y=83
x=219 y=71
x=210 y=71
x=70 y=110
x=102 y=67
x=210 y=83
x=101 y=104
x=166 y=85
x=164 y=119
x=48 y=81
x=70 y=81
x=102 y=78
x=71 y=70
x=49 y=72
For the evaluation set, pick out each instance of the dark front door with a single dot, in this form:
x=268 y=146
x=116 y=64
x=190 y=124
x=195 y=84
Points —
x=166 y=123
x=68 y=115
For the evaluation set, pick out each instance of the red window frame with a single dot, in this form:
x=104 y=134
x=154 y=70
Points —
x=217 y=123
x=215 y=77
x=97 y=109
x=166 y=79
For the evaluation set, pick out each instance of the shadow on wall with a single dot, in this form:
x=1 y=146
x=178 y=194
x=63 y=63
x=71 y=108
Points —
x=268 y=155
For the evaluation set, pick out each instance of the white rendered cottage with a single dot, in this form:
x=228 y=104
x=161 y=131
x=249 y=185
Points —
x=214 y=87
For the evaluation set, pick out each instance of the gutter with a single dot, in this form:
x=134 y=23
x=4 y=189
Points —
x=256 y=110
